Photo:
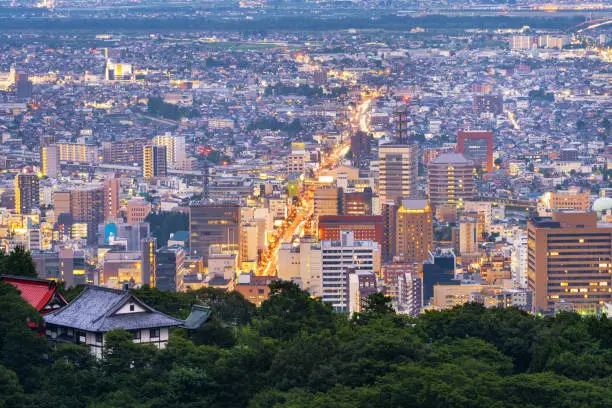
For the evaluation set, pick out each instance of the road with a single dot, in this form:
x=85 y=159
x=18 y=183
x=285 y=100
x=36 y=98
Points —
x=299 y=220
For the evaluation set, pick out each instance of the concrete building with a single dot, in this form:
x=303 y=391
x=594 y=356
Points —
x=398 y=167
x=340 y=256
x=414 y=230
x=154 y=162
x=365 y=227
x=572 y=199
x=361 y=285
x=27 y=193
x=214 y=224
x=175 y=148
x=327 y=201
x=477 y=146
x=137 y=211
x=569 y=260
x=49 y=161
x=169 y=264
x=112 y=190
x=451 y=180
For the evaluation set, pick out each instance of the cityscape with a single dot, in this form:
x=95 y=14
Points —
x=294 y=203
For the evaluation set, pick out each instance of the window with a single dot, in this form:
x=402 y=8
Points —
x=131 y=307
x=99 y=337
x=154 y=333
x=136 y=334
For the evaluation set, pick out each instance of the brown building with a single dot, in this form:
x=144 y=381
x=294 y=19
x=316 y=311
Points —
x=127 y=151
x=451 y=180
x=85 y=205
x=327 y=201
x=360 y=144
x=572 y=199
x=414 y=230
x=477 y=146
x=389 y=214
x=255 y=289
x=111 y=198
x=569 y=262
x=137 y=211
x=358 y=203
x=365 y=227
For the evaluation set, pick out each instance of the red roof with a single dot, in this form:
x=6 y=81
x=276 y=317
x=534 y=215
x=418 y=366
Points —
x=37 y=292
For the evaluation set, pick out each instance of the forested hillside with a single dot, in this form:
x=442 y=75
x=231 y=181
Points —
x=294 y=351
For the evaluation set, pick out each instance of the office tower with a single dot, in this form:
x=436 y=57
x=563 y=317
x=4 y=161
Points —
x=175 y=148
x=214 y=224
x=389 y=214
x=327 y=201
x=451 y=180
x=361 y=285
x=569 y=262
x=111 y=198
x=398 y=166
x=477 y=146
x=358 y=203
x=118 y=71
x=439 y=269
x=27 y=195
x=49 y=158
x=154 y=162
x=340 y=256
x=169 y=265
x=360 y=144
x=486 y=103
x=125 y=151
x=23 y=86
x=137 y=211
x=365 y=227
x=414 y=230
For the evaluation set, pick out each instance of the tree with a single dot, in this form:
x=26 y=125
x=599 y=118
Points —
x=18 y=262
x=378 y=303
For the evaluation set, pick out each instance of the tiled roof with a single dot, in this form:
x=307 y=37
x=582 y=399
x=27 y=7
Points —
x=95 y=310
x=37 y=292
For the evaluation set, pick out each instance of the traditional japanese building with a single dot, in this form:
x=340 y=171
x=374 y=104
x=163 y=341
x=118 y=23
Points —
x=42 y=294
x=97 y=310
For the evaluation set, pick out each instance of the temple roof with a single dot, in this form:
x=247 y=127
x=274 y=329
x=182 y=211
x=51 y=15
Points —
x=37 y=292
x=96 y=310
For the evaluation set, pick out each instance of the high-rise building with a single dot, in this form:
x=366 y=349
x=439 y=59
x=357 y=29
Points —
x=477 y=146
x=338 y=257
x=111 y=198
x=451 y=180
x=410 y=293
x=27 y=194
x=49 y=158
x=569 y=262
x=414 y=230
x=154 y=162
x=361 y=285
x=175 y=147
x=360 y=144
x=214 y=224
x=327 y=201
x=169 y=265
x=87 y=206
x=23 y=86
x=392 y=272
x=389 y=214
x=398 y=167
